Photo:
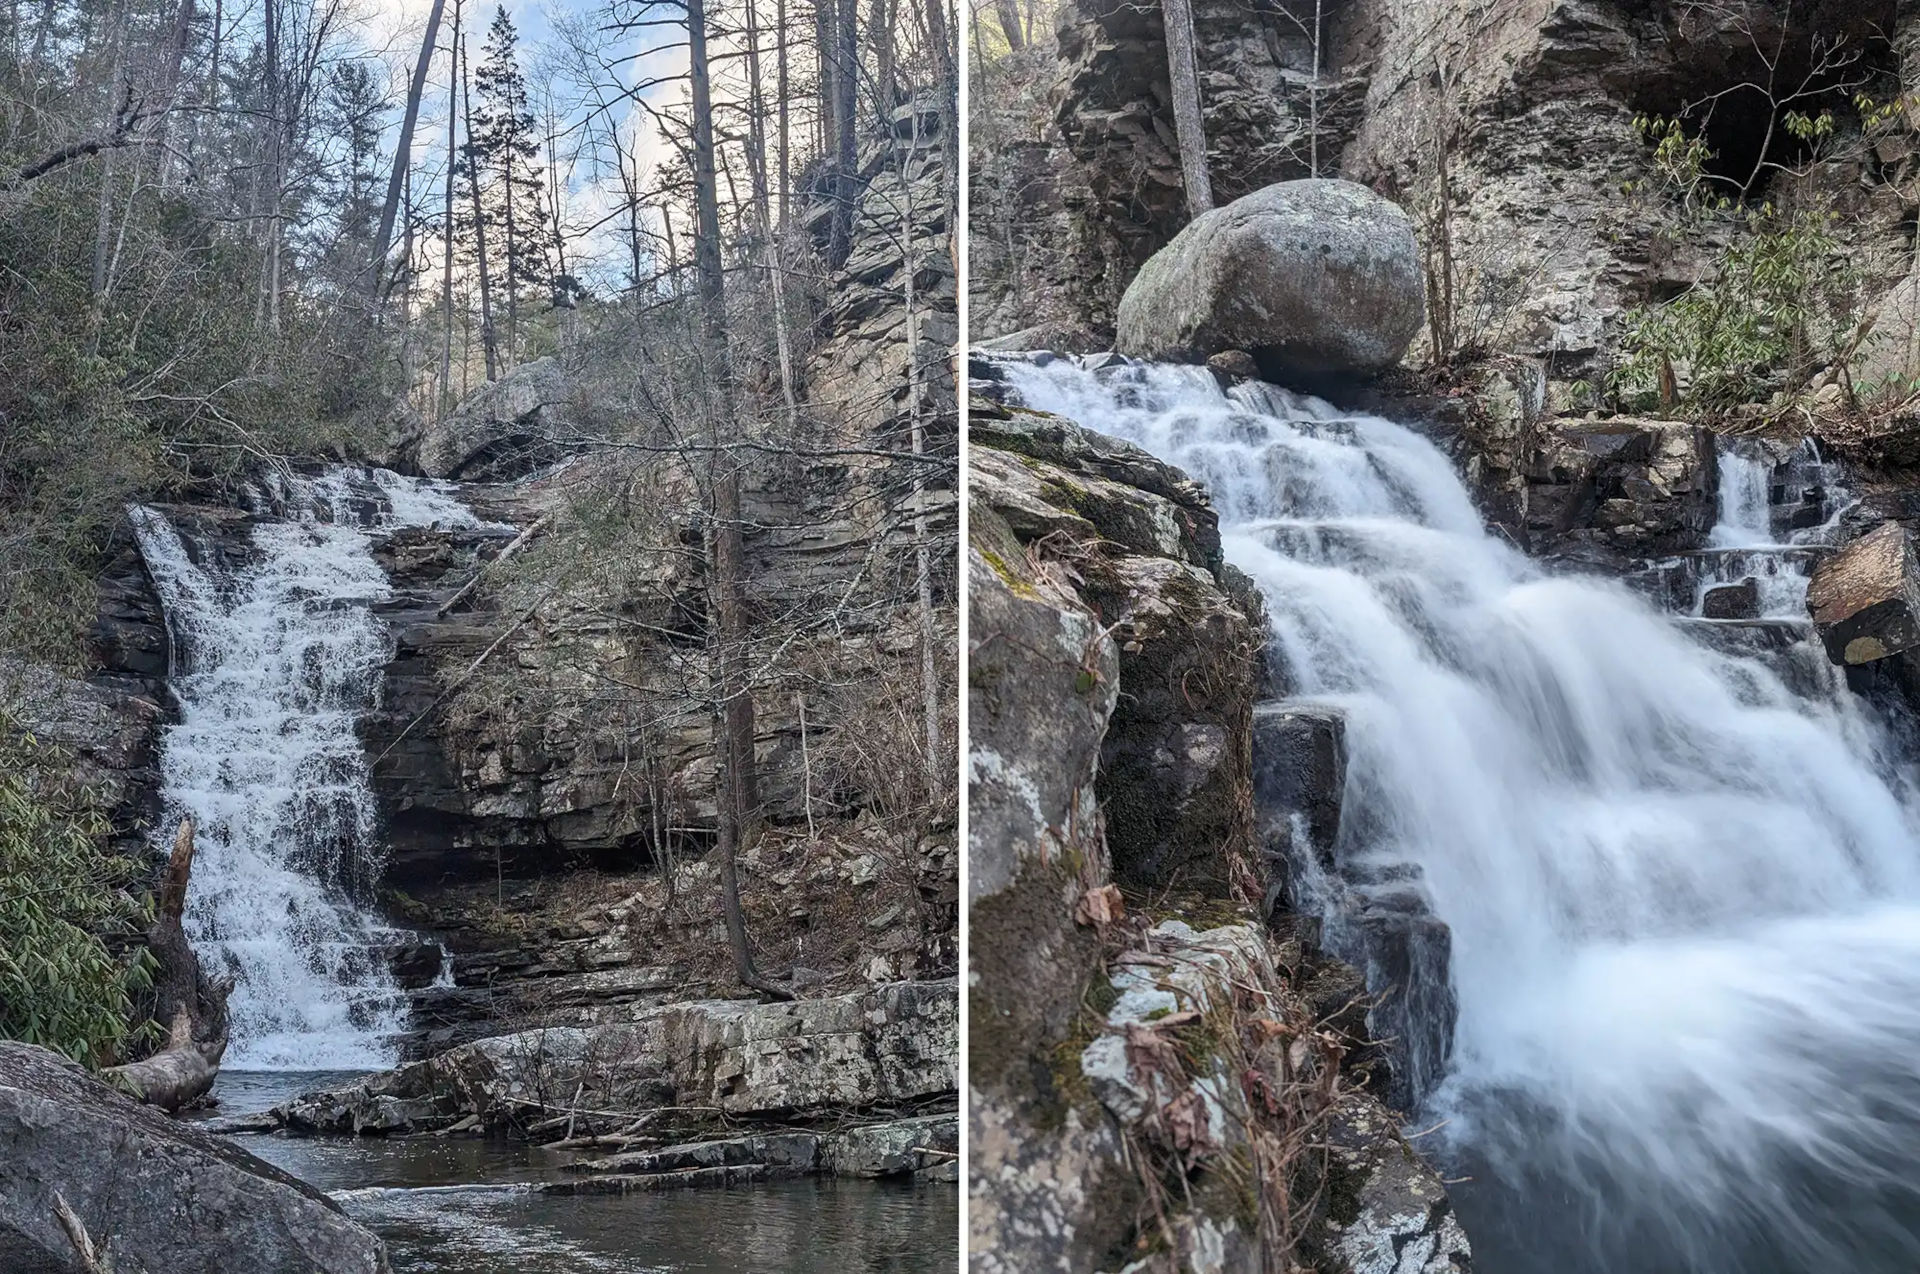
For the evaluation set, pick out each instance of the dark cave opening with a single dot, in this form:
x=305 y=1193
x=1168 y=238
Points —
x=1740 y=71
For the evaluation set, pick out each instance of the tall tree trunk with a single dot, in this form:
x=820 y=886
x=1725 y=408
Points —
x=737 y=799
x=103 y=211
x=402 y=154
x=1188 y=130
x=1010 y=24
x=780 y=95
x=827 y=58
x=276 y=163
x=1313 y=98
x=846 y=140
x=559 y=238
x=446 y=275
x=512 y=281
x=880 y=34
x=769 y=238
x=479 y=220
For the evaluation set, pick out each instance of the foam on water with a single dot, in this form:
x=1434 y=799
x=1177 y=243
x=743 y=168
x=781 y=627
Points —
x=274 y=661
x=1684 y=900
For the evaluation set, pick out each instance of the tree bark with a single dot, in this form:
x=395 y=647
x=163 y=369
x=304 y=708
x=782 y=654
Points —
x=827 y=59
x=1188 y=130
x=377 y=266
x=769 y=238
x=733 y=707
x=479 y=221
x=780 y=93
x=446 y=276
x=193 y=1005
x=846 y=144
x=1010 y=24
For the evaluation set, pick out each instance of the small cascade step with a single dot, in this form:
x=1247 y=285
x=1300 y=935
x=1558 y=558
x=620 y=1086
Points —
x=1779 y=515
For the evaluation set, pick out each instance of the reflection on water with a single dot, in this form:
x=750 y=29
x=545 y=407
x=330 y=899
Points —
x=803 y=1227
x=464 y=1206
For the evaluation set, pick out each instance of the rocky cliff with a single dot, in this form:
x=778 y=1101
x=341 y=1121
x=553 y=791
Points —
x=1518 y=135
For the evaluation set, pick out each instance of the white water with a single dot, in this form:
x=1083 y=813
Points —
x=275 y=659
x=1779 y=564
x=1685 y=903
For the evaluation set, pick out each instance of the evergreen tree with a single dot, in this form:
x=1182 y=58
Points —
x=352 y=115
x=506 y=160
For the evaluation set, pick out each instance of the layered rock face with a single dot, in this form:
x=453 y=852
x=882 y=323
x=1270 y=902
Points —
x=151 y=1193
x=1115 y=663
x=890 y=1046
x=863 y=371
x=1315 y=279
x=104 y=727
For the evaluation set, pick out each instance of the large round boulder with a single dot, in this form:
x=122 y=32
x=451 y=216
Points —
x=1314 y=278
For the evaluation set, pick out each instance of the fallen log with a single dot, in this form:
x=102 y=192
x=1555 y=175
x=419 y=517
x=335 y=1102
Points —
x=176 y=1076
x=193 y=1005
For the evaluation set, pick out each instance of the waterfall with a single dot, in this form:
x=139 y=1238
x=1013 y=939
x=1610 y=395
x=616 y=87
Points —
x=275 y=659
x=1777 y=518
x=1684 y=897
x=1746 y=497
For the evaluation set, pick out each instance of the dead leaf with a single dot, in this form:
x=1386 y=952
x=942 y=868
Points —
x=1100 y=907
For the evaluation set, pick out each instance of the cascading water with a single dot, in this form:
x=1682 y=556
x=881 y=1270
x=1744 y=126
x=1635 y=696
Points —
x=275 y=659
x=1774 y=543
x=1684 y=899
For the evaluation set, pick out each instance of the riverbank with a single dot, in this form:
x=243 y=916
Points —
x=495 y=1205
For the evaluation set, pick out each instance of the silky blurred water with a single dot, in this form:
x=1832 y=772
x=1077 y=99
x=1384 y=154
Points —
x=1684 y=898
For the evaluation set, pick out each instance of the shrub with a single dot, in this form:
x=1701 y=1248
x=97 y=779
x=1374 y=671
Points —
x=62 y=899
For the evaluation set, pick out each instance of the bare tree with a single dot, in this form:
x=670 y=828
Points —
x=403 y=148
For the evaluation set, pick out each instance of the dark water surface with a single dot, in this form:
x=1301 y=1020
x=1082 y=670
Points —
x=450 y=1205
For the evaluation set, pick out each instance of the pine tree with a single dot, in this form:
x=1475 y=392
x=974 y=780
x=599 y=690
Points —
x=353 y=112
x=507 y=162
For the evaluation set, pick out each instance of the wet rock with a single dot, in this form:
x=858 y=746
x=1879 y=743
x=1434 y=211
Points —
x=1391 y=1214
x=1406 y=954
x=1732 y=601
x=782 y=1153
x=1299 y=783
x=1622 y=489
x=1313 y=278
x=1042 y=682
x=1061 y=338
x=1065 y=445
x=1233 y=365
x=905 y=1147
x=1865 y=599
x=156 y=1194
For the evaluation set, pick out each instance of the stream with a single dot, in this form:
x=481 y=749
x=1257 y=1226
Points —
x=278 y=652
x=1678 y=859
x=461 y=1205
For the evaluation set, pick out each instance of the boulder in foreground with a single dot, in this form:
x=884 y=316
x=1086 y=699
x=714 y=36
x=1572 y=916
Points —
x=152 y=1194
x=1314 y=278
x=1865 y=599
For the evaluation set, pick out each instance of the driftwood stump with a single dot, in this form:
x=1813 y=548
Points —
x=193 y=1005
